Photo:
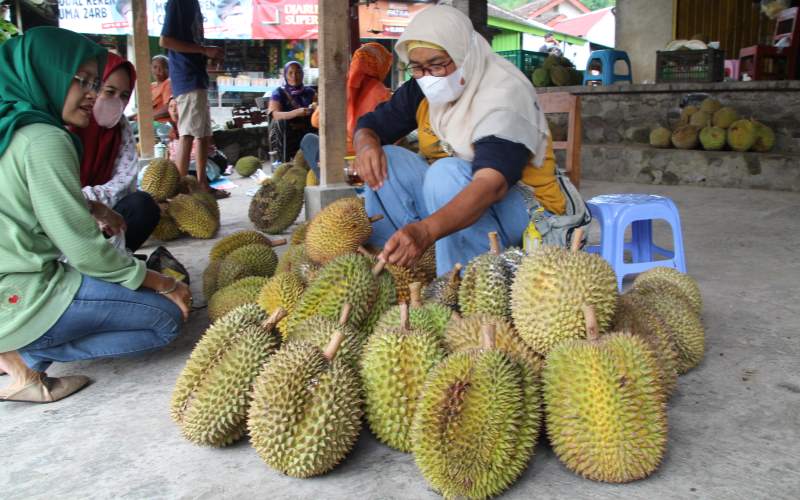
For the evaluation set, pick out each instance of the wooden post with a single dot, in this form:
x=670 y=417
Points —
x=144 y=100
x=334 y=56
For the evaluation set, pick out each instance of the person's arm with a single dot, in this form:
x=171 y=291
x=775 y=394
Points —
x=123 y=177
x=277 y=114
x=170 y=43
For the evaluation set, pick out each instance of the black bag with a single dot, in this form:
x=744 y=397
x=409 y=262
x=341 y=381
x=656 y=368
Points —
x=162 y=261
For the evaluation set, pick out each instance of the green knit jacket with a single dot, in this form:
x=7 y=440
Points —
x=42 y=216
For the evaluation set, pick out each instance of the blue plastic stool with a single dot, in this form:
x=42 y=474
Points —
x=616 y=212
x=607 y=60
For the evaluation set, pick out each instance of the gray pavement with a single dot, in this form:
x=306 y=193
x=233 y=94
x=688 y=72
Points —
x=734 y=421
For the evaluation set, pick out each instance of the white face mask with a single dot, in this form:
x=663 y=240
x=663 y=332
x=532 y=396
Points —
x=108 y=111
x=442 y=89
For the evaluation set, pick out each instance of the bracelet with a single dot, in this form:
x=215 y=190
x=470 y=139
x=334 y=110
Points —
x=167 y=292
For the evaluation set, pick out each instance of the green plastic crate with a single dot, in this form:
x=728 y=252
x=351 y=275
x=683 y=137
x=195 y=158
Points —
x=525 y=60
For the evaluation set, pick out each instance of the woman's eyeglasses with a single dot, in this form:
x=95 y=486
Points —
x=418 y=70
x=87 y=85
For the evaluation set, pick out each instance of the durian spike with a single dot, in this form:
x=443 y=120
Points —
x=375 y=218
x=404 y=320
x=494 y=243
x=346 y=309
x=487 y=336
x=592 y=326
x=278 y=242
x=274 y=318
x=416 y=294
x=577 y=238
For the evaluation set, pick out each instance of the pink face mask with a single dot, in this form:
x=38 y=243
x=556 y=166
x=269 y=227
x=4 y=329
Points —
x=108 y=111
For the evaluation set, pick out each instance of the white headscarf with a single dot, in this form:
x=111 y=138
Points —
x=498 y=100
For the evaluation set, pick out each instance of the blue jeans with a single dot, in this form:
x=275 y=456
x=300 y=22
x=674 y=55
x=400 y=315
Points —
x=415 y=190
x=309 y=144
x=106 y=320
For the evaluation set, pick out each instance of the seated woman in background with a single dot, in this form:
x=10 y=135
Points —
x=290 y=107
x=365 y=90
x=101 y=303
x=161 y=89
x=110 y=163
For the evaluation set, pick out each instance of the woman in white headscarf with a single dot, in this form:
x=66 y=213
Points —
x=485 y=149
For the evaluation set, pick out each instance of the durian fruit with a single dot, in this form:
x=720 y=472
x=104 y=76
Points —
x=299 y=234
x=306 y=409
x=338 y=229
x=687 y=112
x=193 y=217
x=250 y=260
x=700 y=120
x=403 y=277
x=212 y=395
x=311 y=178
x=317 y=331
x=299 y=160
x=282 y=291
x=477 y=422
x=244 y=291
x=560 y=76
x=712 y=138
x=444 y=289
x=294 y=259
x=679 y=315
x=235 y=240
x=209 y=201
x=710 y=106
x=296 y=176
x=385 y=298
x=166 y=229
x=347 y=279
x=512 y=258
x=189 y=184
x=552 y=287
x=765 y=137
x=247 y=165
x=605 y=407
x=724 y=117
x=280 y=171
x=683 y=281
x=394 y=365
x=430 y=318
x=275 y=206
x=634 y=316
x=160 y=179
x=661 y=137
x=485 y=284
x=685 y=137
x=741 y=135
x=424 y=270
x=210 y=276
x=465 y=334
x=541 y=77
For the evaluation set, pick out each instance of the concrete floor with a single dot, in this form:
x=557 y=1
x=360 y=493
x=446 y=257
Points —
x=734 y=421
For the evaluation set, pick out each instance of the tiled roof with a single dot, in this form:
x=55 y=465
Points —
x=580 y=26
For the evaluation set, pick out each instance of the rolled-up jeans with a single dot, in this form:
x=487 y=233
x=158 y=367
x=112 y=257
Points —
x=106 y=320
x=414 y=190
x=310 y=146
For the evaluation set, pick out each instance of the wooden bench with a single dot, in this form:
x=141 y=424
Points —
x=564 y=102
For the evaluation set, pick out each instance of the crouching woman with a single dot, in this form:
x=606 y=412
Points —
x=102 y=303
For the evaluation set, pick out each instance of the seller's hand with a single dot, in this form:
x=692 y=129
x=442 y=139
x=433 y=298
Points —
x=182 y=297
x=407 y=245
x=301 y=112
x=214 y=53
x=370 y=162
x=109 y=221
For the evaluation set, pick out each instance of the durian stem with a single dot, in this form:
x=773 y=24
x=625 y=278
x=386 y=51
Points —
x=416 y=294
x=494 y=243
x=455 y=316
x=378 y=269
x=487 y=336
x=592 y=326
x=346 y=309
x=278 y=242
x=375 y=218
x=404 y=320
x=577 y=239
x=274 y=318
x=363 y=251
x=333 y=346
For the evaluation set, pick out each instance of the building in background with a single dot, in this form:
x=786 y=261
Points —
x=551 y=12
x=598 y=27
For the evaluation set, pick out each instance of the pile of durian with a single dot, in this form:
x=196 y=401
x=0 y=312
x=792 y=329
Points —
x=466 y=370
x=713 y=127
x=279 y=200
x=190 y=210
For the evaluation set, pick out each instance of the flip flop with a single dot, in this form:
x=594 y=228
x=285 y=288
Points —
x=219 y=194
x=46 y=389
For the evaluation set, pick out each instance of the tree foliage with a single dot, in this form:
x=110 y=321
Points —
x=514 y=4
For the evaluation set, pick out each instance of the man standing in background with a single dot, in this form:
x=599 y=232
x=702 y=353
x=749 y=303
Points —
x=182 y=36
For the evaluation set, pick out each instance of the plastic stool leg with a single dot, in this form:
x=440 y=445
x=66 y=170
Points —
x=642 y=231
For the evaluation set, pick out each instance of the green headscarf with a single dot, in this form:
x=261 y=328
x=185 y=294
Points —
x=36 y=71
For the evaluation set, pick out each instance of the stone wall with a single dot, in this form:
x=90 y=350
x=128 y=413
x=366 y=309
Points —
x=238 y=142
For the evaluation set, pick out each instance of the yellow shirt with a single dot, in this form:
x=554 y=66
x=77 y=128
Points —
x=541 y=179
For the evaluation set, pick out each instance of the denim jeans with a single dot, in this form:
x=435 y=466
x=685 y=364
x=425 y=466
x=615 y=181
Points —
x=310 y=147
x=414 y=190
x=106 y=320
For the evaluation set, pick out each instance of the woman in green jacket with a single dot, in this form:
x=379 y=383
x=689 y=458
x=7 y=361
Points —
x=101 y=303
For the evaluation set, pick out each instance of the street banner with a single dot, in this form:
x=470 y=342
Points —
x=285 y=19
